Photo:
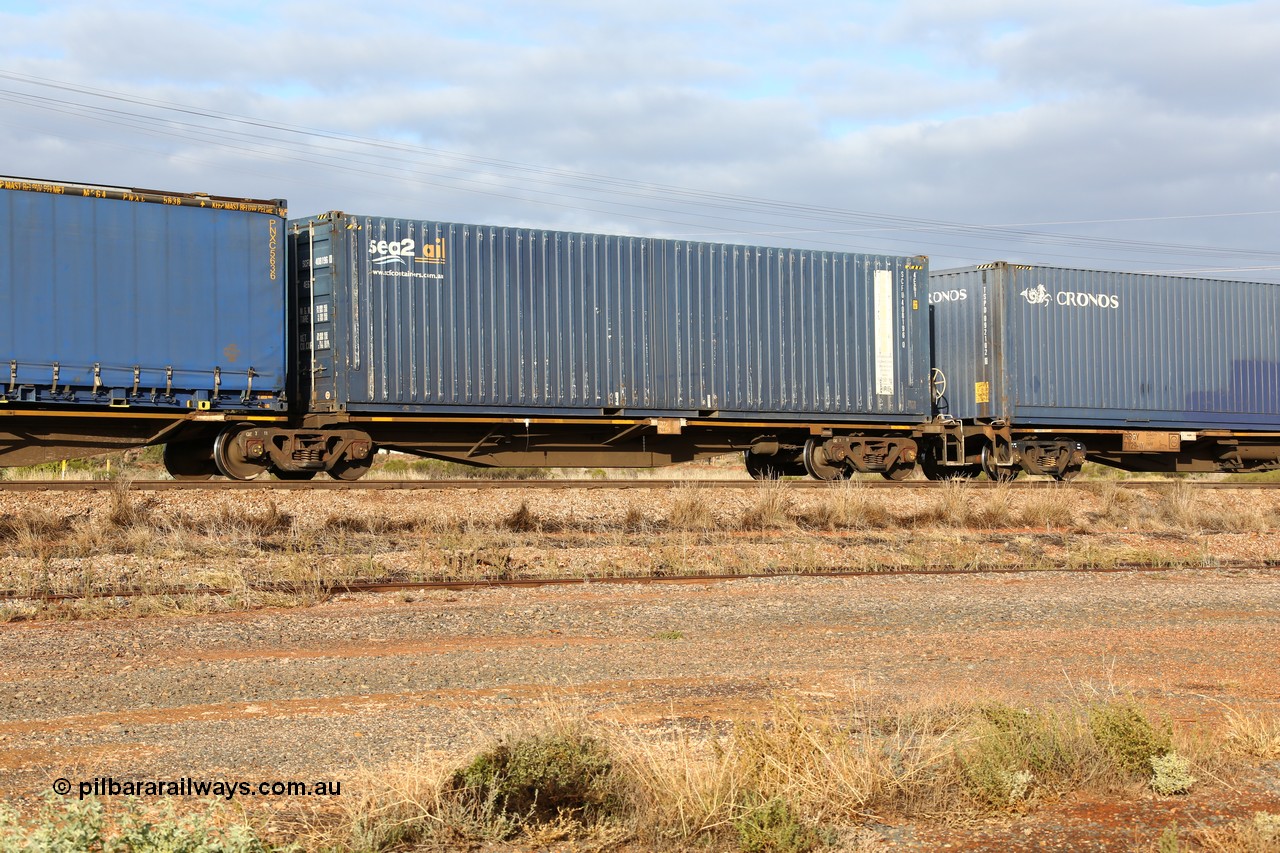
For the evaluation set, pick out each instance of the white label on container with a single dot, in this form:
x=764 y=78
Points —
x=884 y=331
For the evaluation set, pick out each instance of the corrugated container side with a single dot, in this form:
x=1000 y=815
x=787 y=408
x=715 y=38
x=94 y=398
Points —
x=439 y=316
x=139 y=303
x=964 y=344
x=1081 y=346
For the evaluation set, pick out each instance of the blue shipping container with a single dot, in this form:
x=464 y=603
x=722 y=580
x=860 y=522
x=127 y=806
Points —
x=410 y=316
x=133 y=298
x=1034 y=344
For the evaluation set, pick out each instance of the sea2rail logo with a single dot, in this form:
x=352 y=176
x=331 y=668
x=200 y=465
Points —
x=392 y=258
x=1040 y=295
x=391 y=253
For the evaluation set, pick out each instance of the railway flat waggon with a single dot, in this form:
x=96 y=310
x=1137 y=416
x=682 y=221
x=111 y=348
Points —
x=511 y=346
x=1037 y=367
x=132 y=317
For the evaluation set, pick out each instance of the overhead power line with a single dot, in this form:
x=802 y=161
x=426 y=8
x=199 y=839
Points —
x=584 y=191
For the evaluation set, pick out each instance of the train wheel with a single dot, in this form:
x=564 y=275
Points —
x=1071 y=473
x=994 y=471
x=818 y=466
x=899 y=472
x=932 y=468
x=1074 y=463
x=351 y=469
x=189 y=460
x=761 y=467
x=229 y=456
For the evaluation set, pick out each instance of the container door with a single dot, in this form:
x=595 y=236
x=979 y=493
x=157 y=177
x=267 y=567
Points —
x=315 y=252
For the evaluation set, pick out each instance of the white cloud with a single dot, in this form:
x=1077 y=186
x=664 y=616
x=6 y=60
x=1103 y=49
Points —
x=991 y=111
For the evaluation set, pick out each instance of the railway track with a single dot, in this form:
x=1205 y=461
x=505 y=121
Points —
x=328 y=588
x=479 y=484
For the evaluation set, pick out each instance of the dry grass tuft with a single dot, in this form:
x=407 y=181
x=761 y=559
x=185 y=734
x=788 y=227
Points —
x=1117 y=506
x=375 y=525
x=523 y=520
x=1179 y=506
x=126 y=509
x=793 y=780
x=251 y=522
x=233 y=523
x=636 y=520
x=32 y=533
x=955 y=505
x=849 y=505
x=1252 y=735
x=995 y=511
x=400 y=805
x=796 y=780
x=691 y=510
x=832 y=770
x=684 y=789
x=1257 y=834
x=958 y=504
x=1233 y=516
x=772 y=509
x=1048 y=510
x=1014 y=753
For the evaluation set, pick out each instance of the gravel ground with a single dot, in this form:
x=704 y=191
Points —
x=66 y=542
x=316 y=693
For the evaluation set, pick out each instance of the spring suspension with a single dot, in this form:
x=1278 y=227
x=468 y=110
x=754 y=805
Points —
x=308 y=454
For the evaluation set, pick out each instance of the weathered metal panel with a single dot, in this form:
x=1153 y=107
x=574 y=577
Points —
x=432 y=316
x=121 y=297
x=1151 y=441
x=1073 y=346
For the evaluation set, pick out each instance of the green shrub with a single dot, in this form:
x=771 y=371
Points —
x=1268 y=825
x=774 y=827
x=540 y=779
x=1171 y=774
x=1129 y=737
x=71 y=826
x=1013 y=750
x=1168 y=841
x=92 y=469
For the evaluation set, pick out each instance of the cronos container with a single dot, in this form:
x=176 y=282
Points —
x=140 y=299
x=409 y=316
x=1063 y=346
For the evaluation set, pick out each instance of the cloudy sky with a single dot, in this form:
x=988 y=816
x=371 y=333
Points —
x=1115 y=134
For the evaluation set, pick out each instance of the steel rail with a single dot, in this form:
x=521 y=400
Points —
x=484 y=484
x=329 y=588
